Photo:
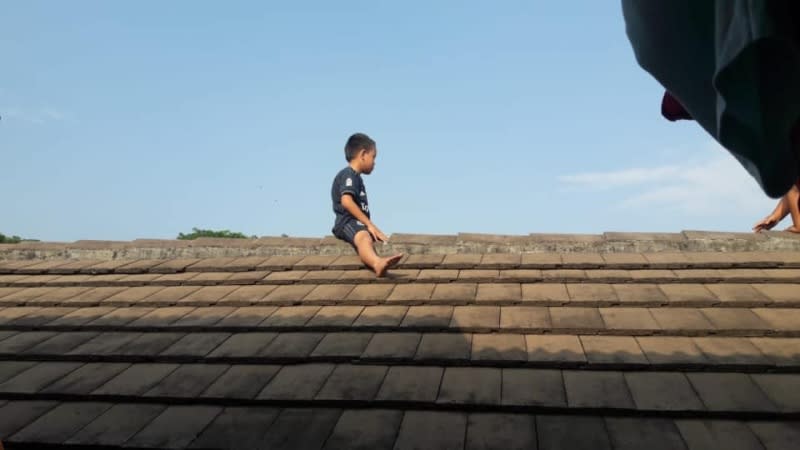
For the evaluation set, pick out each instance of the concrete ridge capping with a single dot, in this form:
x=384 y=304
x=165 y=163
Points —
x=609 y=242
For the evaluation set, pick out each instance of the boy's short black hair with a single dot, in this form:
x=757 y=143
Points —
x=355 y=143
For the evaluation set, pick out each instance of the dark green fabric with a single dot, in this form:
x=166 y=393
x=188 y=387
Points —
x=735 y=66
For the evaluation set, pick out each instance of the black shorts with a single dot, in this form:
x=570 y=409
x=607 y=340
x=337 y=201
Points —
x=347 y=232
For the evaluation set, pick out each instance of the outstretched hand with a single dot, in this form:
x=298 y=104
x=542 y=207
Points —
x=766 y=223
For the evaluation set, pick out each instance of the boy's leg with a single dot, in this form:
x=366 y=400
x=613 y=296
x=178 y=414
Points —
x=366 y=250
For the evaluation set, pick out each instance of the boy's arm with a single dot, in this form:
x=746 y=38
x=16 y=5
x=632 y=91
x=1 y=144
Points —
x=781 y=210
x=351 y=207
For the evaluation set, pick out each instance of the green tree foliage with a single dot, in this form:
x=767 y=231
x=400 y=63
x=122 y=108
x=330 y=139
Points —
x=14 y=239
x=9 y=239
x=198 y=233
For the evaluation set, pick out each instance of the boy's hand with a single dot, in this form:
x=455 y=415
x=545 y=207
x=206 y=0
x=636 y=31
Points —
x=376 y=233
x=766 y=223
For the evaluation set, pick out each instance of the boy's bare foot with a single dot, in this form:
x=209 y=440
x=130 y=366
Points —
x=793 y=229
x=385 y=264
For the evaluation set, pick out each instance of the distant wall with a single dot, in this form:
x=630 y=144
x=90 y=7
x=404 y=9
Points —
x=692 y=241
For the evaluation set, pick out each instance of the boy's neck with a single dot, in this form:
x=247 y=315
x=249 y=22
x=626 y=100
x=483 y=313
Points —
x=355 y=167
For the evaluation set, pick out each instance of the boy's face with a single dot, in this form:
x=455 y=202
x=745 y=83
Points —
x=367 y=160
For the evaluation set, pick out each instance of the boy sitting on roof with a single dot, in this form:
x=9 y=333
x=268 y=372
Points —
x=349 y=196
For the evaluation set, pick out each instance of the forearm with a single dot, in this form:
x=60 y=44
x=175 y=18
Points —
x=782 y=208
x=351 y=207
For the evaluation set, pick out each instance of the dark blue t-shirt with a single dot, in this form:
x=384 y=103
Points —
x=348 y=181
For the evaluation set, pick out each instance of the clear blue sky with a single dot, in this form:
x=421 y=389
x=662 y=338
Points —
x=143 y=119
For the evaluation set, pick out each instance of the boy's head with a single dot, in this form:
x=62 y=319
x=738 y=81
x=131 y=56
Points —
x=360 y=152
